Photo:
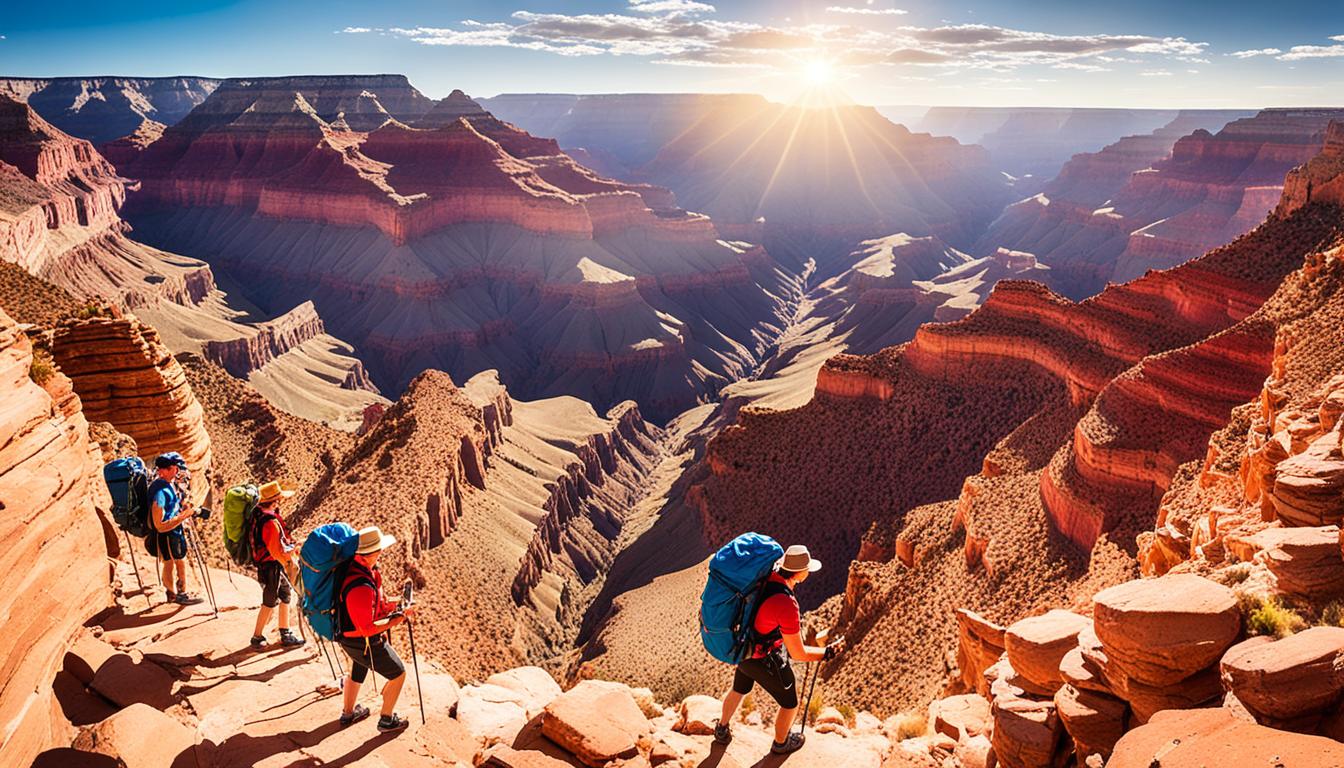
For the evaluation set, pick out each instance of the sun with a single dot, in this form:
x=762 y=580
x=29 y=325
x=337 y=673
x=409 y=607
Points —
x=818 y=72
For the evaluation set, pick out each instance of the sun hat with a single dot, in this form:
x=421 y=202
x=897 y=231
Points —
x=372 y=539
x=170 y=459
x=273 y=491
x=797 y=558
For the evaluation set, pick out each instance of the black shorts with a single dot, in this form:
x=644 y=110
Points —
x=274 y=582
x=773 y=673
x=380 y=655
x=171 y=545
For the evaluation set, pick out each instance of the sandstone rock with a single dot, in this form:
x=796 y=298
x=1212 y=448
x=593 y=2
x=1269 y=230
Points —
x=1304 y=561
x=1094 y=721
x=973 y=752
x=698 y=714
x=1199 y=738
x=1201 y=688
x=1036 y=645
x=595 y=723
x=980 y=643
x=87 y=656
x=140 y=735
x=501 y=756
x=125 y=681
x=1309 y=486
x=1161 y=631
x=1028 y=733
x=1281 y=681
x=961 y=717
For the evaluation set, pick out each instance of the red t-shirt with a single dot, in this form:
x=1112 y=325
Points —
x=275 y=541
x=777 y=612
x=365 y=605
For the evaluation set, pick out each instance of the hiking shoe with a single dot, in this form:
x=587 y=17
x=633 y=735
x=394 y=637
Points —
x=184 y=599
x=791 y=744
x=259 y=643
x=171 y=596
x=723 y=734
x=392 y=723
x=289 y=640
x=350 y=718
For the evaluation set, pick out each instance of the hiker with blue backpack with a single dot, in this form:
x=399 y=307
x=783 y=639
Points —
x=273 y=553
x=750 y=617
x=169 y=515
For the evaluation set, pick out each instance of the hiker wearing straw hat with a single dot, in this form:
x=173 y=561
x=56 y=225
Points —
x=168 y=514
x=776 y=630
x=365 y=620
x=273 y=552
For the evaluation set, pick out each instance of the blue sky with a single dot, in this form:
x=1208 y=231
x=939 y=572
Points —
x=1192 y=53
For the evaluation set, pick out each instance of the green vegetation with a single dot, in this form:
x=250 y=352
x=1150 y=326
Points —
x=1236 y=574
x=1333 y=614
x=89 y=311
x=748 y=706
x=848 y=713
x=910 y=725
x=41 y=369
x=1270 y=617
x=814 y=706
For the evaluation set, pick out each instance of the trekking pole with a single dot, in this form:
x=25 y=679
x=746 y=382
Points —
x=200 y=566
x=136 y=568
x=816 y=671
x=321 y=644
x=415 y=662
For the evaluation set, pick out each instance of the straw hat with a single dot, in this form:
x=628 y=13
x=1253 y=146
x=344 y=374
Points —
x=797 y=558
x=273 y=491
x=372 y=539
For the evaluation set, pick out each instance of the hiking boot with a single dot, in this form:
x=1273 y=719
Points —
x=723 y=733
x=791 y=744
x=350 y=718
x=170 y=596
x=289 y=640
x=258 y=642
x=184 y=599
x=392 y=723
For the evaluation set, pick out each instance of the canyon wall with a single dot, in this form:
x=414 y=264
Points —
x=271 y=339
x=101 y=109
x=438 y=236
x=55 y=552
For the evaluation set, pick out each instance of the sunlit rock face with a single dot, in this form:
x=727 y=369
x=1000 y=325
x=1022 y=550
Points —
x=102 y=109
x=433 y=235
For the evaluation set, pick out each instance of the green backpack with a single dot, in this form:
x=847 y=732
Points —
x=240 y=506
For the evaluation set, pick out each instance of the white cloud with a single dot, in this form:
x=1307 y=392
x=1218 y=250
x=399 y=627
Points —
x=671 y=7
x=1337 y=38
x=866 y=11
x=1155 y=73
x=1299 y=52
x=1255 y=52
x=354 y=30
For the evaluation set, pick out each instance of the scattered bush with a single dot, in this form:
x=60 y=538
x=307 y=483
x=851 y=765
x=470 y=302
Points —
x=748 y=706
x=1333 y=614
x=1272 y=618
x=41 y=369
x=848 y=713
x=89 y=311
x=1236 y=574
x=814 y=706
x=910 y=725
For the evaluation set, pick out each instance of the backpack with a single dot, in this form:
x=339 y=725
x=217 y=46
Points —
x=323 y=560
x=240 y=506
x=128 y=482
x=737 y=573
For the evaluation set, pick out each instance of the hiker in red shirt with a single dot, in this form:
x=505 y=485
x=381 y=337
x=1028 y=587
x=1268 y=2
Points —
x=274 y=552
x=776 y=628
x=365 y=620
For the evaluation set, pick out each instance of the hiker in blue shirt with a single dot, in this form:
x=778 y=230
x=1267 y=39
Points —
x=167 y=514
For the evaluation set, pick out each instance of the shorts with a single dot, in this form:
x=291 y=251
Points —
x=275 y=588
x=773 y=673
x=171 y=545
x=380 y=656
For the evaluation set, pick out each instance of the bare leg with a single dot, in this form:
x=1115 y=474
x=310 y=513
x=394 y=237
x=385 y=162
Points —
x=390 y=693
x=350 y=695
x=181 y=575
x=783 y=723
x=284 y=617
x=730 y=703
x=263 y=616
x=168 y=575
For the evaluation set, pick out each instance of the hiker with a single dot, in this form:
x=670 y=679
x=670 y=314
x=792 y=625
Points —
x=168 y=514
x=273 y=553
x=365 y=621
x=776 y=628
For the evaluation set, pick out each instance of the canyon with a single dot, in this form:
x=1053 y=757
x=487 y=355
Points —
x=104 y=109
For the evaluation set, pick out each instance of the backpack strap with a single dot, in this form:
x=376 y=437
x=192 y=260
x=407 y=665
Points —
x=356 y=575
x=258 y=541
x=766 y=642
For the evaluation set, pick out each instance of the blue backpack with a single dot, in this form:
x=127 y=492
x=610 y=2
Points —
x=128 y=482
x=322 y=563
x=737 y=572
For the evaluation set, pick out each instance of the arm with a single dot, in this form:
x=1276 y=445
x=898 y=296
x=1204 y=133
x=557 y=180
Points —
x=369 y=613
x=799 y=652
x=270 y=534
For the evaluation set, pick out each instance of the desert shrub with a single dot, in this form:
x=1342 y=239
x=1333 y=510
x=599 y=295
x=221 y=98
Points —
x=1333 y=614
x=89 y=311
x=911 y=725
x=848 y=713
x=814 y=706
x=41 y=369
x=1236 y=574
x=748 y=706
x=1272 y=618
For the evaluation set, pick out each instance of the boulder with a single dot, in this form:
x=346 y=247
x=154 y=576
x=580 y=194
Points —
x=697 y=715
x=980 y=643
x=1027 y=733
x=1201 y=688
x=1164 y=630
x=961 y=717
x=1304 y=561
x=1094 y=720
x=1202 y=738
x=973 y=752
x=595 y=723
x=1036 y=645
x=501 y=756
x=140 y=736
x=1077 y=670
x=87 y=656
x=535 y=686
x=126 y=681
x=1278 y=682
x=1309 y=487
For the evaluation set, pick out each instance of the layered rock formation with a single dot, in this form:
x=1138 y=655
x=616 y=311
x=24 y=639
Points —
x=101 y=109
x=462 y=245
x=54 y=541
x=270 y=340
x=126 y=377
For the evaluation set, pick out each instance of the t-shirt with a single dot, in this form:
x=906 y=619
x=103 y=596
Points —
x=777 y=612
x=364 y=605
x=274 y=539
x=162 y=493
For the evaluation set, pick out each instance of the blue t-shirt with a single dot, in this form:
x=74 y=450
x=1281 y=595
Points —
x=162 y=493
